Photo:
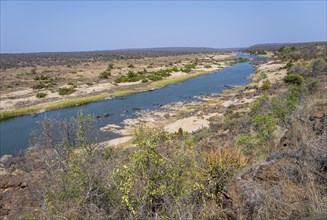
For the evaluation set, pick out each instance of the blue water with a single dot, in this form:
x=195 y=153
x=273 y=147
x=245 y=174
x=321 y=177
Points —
x=15 y=133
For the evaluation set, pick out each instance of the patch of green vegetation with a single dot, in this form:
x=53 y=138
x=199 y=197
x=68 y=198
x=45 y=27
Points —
x=240 y=60
x=44 y=84
x=264 y=125
x=41 y=95
x=130 y=77
x=110 y=66
x=294 y=79
x=41 y=77
x=164 y=171
x=154 y=78
x=66 y=90
x=288 y=53
x=145 y=75
x=66 y=103
x=188 y=68
x=105 y=74
x=207 y=66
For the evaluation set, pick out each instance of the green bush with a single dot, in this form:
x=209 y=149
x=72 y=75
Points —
x=283 y=107
x=207 y=66
x=105 y=74
x=294 y=79
x=241 y=60
x=152 y=182
x=41 y=95
x=66 y=90
x=264 y=125
x=154 y=77
x=121 y=79
x=288 y=53
x=289 y=65
x=248 y=142
x=188 y=68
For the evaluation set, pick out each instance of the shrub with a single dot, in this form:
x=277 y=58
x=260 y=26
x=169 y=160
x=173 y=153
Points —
x=188 y=68
x=39 y=86
x=110 y=66
x=66 y=90
x=41 y=95
x=280 y=110
x=294 y=79
x=265 y=85
x=221 y=165
x=130 y=66
x=42 y=77
x=145 y=80
x=153 y=182
x=283 y=107
x=121 y=79
x=312 y=85
x=154 y=78
x=288 y=53
x=104 y=74
x=208 y=66
x=175 y=69
x=265 y=125
x=289 y=65
x=248 y=142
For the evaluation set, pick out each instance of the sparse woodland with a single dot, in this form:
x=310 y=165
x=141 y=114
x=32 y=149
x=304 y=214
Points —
x=267 y=161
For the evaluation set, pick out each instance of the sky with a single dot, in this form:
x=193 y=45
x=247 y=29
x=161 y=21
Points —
x=45 y=26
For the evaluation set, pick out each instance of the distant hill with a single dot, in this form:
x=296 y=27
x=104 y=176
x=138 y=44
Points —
x=9 y=60
x=276 y=46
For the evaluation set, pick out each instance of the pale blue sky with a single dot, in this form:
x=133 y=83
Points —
x=37 y=26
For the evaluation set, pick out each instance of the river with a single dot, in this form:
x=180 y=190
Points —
x=15 y=133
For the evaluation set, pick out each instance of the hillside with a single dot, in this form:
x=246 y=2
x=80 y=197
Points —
x=263 y=155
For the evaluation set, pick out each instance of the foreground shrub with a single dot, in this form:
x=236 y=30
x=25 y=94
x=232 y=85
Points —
x=163 y=177
x=221 y=165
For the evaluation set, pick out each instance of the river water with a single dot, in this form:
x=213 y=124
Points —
x=15 y=133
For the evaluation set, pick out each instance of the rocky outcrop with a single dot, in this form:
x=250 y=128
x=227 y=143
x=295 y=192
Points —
x=286 y=185
x=20 y=181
